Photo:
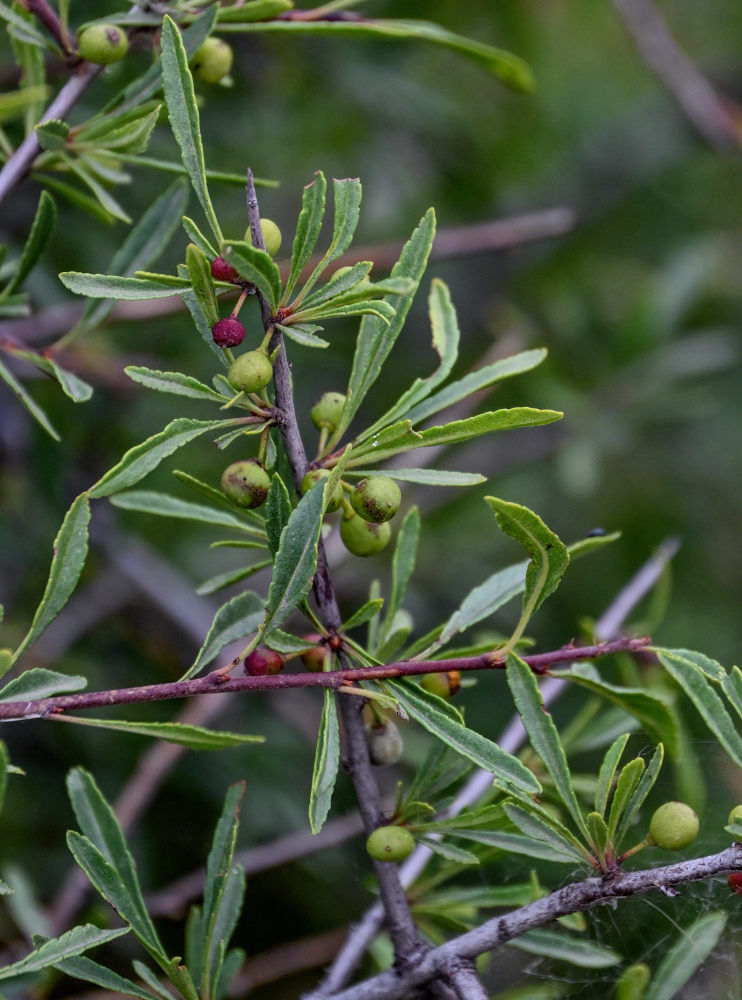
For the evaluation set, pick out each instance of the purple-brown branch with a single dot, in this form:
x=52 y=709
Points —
x=217 y=683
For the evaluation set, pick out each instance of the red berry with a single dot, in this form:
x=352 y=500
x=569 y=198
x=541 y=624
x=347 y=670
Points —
x=263 y=661
x=314 y=658
x=735 y=882
x=228 y=332
x=222 y=271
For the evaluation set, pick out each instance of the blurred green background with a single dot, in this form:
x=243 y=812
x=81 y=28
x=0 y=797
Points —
x=639 y=306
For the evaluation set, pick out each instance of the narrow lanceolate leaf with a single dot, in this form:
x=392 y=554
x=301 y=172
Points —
x=508 y=68
x=179 y=733
x=93 y=972
x=326 y=763
x=364 y=614
x=426 y=477
x=308 y=228
x=296 y=560
x=277 y=512
x=145 y=457
x=692 y=947
x=516 y=843
x=68 y=945
x=608 y=771
x=174 y=382
x=376 y=338
x=482 y=378
x=164 y=505
x=222 y=849
x=699 y=689
x=40 y=683
x=445 y=330
x=111 y=286
x=72 y=386
x=4 y=762
x=342 y=282
x=549 y=555
x=234 y=620
x=628 y=780
x=551 y=833
x=256 y=266
x=552 y=944
x=448 y=851
x=221 y=928
x=70 y=550
x=401 y=436
x=347 y=206
x=214 y=583
x=199 y=271
x=470 y=744
x=543 y=734
x=644 y=787
x=403 y=563
x=177 y=84
x=41 y=231
x=27 y=400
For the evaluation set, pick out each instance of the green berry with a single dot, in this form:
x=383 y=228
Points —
x=103 y=43
x=390 y=843
x=384 y=743
x=445 y=685
x=376 y=498
x=246 y=483
x=251 y=372
x=362 y=538
x=315 y=476
x=673 y=826
x=212 y=61
x=271 y=236
x=735 y=816
x=326 y=411
x=633 y=982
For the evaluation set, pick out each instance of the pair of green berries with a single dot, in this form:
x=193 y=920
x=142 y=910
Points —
x=364 y=529
x=104 y=44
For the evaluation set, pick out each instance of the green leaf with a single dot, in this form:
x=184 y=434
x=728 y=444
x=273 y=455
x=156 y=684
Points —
x=692 y=948
x=403 y=563
x=164 y=505
x=296 y=560
x=33 y=408
x=70 y=550
x=257 y=267
x=72 y=386
x=628 y=781
x=364 y=614
x=40 y=683
x=18 y=102
x=429 y=712
x=548 y=831
x=341 y=282
x=241 y=615
x=347 y=195
x=549 y=556
x=86 y=171
x=659 y=719
x=92 y=972
x=308 y=228
x=4 y=762
x=426 y=477
x=376 y=338
x=304 y=334
x=221 y=580
x=195 y=235
x=476 y=381
x=338 y=310
x=177 y=84
x=253 y=10
x=641 y=792
x=179 y=733
x=277 y=512
x=445 y=330
x=508 y=68
x=401 y=436
x=41 y=232
x=25 y=29
x=326 y=763
x=173 y=382
x=216 y=496
x=608 y=771
x=223 y=925
x=68 y=945
x=145 y=457
x=199 y=271
x=552 y=944
x=543 y=734
x=598 y=835
x=111 y=286
x=694 y=682
x=444 y=850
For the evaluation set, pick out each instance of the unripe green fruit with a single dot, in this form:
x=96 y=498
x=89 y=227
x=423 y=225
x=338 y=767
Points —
x=735 y=816
x=673 y=826
x=384 y=743
x=246 y=483
x=103 y=43
x=212 y=61
x=633 y=982
x=271 y=236
x=250 y=372
x=376 y=498
x=390 y=843
x=315 y=476
x=363 y=538
x=445 y=685
x=326 y=411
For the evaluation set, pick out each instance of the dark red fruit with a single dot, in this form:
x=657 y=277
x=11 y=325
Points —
x=263 y=661
x=228 y=332
x=222 y=271
x=735 y=882
x=314 y=658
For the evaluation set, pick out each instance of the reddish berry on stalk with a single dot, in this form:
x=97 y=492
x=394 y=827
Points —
x=228 y=332
x=263 y=661
x=314 y=658
x=735 y=882
x=222 y=271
